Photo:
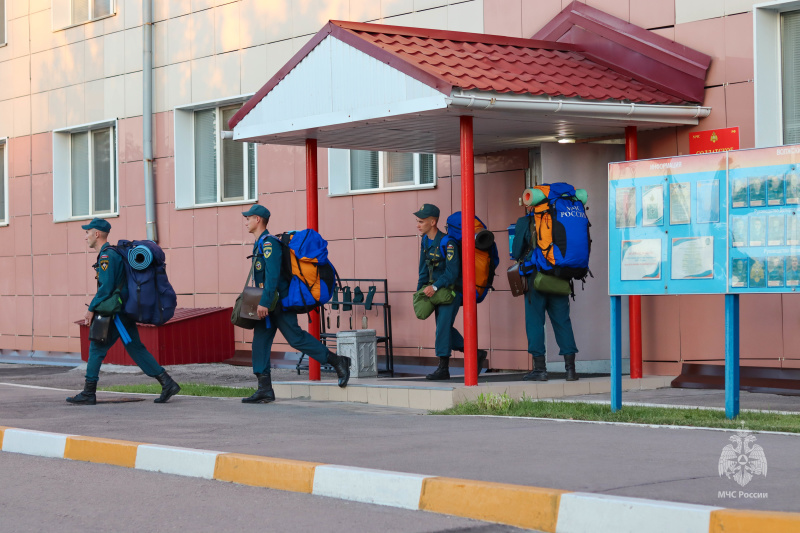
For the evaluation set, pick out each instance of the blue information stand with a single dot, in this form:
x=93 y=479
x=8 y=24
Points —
x=731 y=356
x=616 y=353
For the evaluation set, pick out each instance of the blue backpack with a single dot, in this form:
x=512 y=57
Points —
x=305 y=265
x=486 y=260
x=151 y=298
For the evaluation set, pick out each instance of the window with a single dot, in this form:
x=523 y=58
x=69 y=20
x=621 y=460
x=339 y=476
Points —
x=3 y=29
x=210 y=170
x=85 y=172
x=67 y=13
x=3 y=184
x=790 y=63
x=361 y=171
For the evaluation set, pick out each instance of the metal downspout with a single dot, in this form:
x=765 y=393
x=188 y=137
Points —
x=147 y=120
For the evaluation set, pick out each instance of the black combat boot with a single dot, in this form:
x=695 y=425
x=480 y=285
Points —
x=87 y=396
x=169 y=388
x=442 y=372
x=265 y=393
x=539 y=372
x=482 y=355
x=341 y=364
x=569 y=366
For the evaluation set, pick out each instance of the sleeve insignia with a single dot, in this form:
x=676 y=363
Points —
x=260 y=285
x=451 y=250
x=267 y=249
x=258 y=265
x=104 y=264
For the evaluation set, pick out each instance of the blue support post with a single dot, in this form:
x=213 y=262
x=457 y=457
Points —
x=731 y=356
x=616 y=353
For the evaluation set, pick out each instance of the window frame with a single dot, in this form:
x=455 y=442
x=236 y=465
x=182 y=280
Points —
x=185 y=180
x=4 y=182
x=340 y=178
x=4 y=21
x=71 y=24
x=62 y=171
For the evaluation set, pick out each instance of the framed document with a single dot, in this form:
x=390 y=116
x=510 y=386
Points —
x=738 y=231
x=758 y=277
x=680 y=203
x=775 y=270
x=693 y=258
x=793 y=187
x=792 y=271
x=775 y=230
x=641 y=260
x=626 y=207
x=758 y=231
x=739 y=193
x=739 y=272
x=776 y=195
x=653 y=205
x=758 y=193
x=707 y=201
x=792 y=234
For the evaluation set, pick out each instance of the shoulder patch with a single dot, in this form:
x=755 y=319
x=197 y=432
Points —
x=258 y=265
x=104 y=264
x=451 y=251
x=267 y=249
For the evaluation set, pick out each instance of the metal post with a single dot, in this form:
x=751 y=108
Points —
x=616 y=353
x=147 y=120
x=312 y=220
x=468 y=253
x=731 y=356
x=634 y=302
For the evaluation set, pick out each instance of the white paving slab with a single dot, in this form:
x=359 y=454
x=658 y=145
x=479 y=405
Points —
x=174 y=460
x=382 y=487
x=32 y=442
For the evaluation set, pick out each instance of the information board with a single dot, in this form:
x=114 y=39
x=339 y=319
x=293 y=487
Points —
x=705 y=224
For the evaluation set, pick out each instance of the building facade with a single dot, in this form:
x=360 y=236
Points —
x=71 y=133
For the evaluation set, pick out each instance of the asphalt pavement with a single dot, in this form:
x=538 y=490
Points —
x=658 y=463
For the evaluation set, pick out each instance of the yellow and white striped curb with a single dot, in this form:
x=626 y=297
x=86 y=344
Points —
x=550 y=510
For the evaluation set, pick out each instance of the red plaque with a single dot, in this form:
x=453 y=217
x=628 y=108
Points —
x=707 y=142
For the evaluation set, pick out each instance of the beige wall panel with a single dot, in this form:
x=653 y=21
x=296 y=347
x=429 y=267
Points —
x=178 y=8
x=467 y=16
x=179 y=84
x=114 y=97
x=407 y=19
x=58 y=108
x=277 y=56
x=226 y=28
x=94 y=102
x=160 y=44
x=179 y=37
x=38 y=5
x=42 y=35
x=22 y=116
x=300 y=42
x=160 y=93
x=227 y=75
x=94 y=29
x=740 y=6
x=94 y=66
x=17 y=8
x=254 y=68
x=132 y=11
x=40 y=112
x=311 y=15
x=134 y=99
x=278 y=15
x=691 y=10
x=19 y=37
x=253 y=25
x=70 y=60
x=114 y=54
x=6 y=118
x=76 y=105
x=21 y=77
x=75 y=34
x=435 y=19
x=419 y=5
x=202 y=34
x=391 y=8
x=368 y=10
x=161 y=10
x=6 y=72
x=198 y=5
x=115 y=23
x=202 y=80
x=134 y=49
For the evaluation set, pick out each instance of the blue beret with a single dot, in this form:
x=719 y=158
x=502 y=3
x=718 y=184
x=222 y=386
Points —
x=257 y=210
x=98 y=224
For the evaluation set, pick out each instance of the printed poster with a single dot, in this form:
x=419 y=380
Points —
x=707 y=201
x=693 y=258
x=680 y=203
x=653 y=205
x=626 y=207
x=641 y=260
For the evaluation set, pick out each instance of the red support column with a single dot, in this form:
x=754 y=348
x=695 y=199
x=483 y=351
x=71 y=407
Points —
x=468 y=254
x=312 y=220
x=634 y=302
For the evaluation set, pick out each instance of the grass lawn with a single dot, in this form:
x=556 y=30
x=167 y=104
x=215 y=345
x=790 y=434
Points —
x=187 y=389
x=502 y=405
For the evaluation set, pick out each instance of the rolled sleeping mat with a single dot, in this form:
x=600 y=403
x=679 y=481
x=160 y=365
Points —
x=532 y=196
x=484 y=240
x=140 y=257
x=582 y=195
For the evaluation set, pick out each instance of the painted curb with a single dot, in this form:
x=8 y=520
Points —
x=550 y=510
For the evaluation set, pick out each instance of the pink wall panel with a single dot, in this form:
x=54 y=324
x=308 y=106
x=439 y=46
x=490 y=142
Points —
x=369 y=215
x=230 y=225
x=186 y=300
x=6 y=241
x=537 y=13
x=511 y=360
x=322 y=168
x=162 y=224
x=233 y=267
x=507 y=319
x=507 y=160
x=402 y=261
x=206 y=277
x=41 y=316
x=181 y=228
x=275 y=168
x=502 y=199
x=299 y=167
x=702 y=327
x=42 y=226
x=370 y=258
x=342 y=255
x=41 y=275
x=181 y=270
x=7 y=276
x=281 y=207
x=163 y=134
x=658 y=143
x=300 y=217
x=8 y=320
x=739 y=48
x=714 y=98
x=617 y=8
x=20 y=156
x=206 y=300
x=22 y=235
x=336 y=217
x=164 y=177
x=661 y=328
x=76 y=267
x=400 y=207
x=24 y=275
x=443 y=165
x=133 y=175
x=58 y=276
x=136 y=223
x=56 y=235
x=440 y=197
x=661 y=368
x=407 y=329
x=791 y=325
x=761 y=332
x=19 y=196
x=59 y=315
x=76 y=236
x=741 y=112
x=696 y=35
x=652 y=13
x=502 y=17
x=76 y=311
x=42 y=194
x=205 y=226
x=42 y=157
x=130 y=139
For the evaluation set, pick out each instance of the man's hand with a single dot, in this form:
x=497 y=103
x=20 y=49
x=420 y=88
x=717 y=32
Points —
x=262 y=311
x=88 y=317
x=429 y=292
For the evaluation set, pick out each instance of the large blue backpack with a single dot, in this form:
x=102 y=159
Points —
x=306 y=266
x=151 y=298
x=486 y=261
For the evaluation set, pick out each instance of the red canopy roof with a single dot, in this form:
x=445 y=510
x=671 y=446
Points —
x=448 y=59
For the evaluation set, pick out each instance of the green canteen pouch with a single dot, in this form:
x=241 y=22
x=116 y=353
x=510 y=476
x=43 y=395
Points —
x=423 y=307
x=111 y=305
x=551 y=284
